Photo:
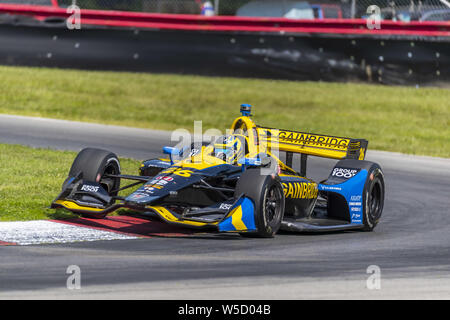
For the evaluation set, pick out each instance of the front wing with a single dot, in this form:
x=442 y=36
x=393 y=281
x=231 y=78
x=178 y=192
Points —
x=239 y=218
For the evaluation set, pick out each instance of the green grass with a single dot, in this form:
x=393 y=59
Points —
x=402 y=119
x=30 y=179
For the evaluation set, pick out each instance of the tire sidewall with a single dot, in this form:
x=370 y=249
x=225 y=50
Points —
x=255 y=186
x=264 y=227
x=111 y=160
x=375 y=176
x=92 y=163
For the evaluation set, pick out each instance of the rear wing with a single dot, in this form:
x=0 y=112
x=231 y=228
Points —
x=313 y=144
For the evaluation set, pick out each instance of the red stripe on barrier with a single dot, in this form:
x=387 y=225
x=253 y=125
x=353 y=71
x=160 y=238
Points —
x=233 y=24
x=133 y=226
x=2 y=243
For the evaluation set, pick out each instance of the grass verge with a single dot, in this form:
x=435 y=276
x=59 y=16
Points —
x=31 y=178
x=402 y=119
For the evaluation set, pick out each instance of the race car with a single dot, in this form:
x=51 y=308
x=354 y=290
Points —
x=236 y=183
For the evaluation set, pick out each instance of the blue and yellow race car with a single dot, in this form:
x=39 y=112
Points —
x=237 y=183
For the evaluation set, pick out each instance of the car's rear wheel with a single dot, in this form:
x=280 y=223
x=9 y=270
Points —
x=373 y=198
x=95 y=165
x=266 y=192
x=372 y=193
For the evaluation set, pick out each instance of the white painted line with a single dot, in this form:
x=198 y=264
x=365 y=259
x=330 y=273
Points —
x=41 y=232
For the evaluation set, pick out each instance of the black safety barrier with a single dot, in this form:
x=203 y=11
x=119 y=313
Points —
x=402 y=60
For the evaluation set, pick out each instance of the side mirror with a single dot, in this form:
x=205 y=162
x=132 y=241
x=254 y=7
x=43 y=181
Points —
x=260 y=160
x=171 y=151
x=250 y=161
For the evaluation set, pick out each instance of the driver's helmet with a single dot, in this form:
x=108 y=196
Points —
x=230 y=148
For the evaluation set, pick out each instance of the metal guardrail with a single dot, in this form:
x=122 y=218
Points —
x=396 y=10
x=415 y=53
x=243 y=24
x=391 y=60
x=349 y=9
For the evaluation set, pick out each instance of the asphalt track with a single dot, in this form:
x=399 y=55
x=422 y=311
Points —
x=411 y=245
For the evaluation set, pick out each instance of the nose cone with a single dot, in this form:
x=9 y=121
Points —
x=157 y=188
x=161 y=186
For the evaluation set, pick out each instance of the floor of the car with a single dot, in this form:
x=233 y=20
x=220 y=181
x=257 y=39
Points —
x=319 y=221
x=316 y=225
x=205 y=218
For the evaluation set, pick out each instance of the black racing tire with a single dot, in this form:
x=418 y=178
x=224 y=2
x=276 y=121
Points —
x=267 y=194
x=91 y=165
x=373 y=197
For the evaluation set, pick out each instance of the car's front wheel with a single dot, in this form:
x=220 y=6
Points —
x=266 y=192
x=95 y=165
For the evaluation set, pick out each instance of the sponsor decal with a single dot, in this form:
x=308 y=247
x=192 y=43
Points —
x=137 y=196
x=355 y=206
x=157 y=183
x=300 y=190
x=179 y=172
x=148 y=189
x=344 y=173
x=157 y=164
x=89 y=188
x=305 y=138
x=355 y=217
x=324 y=187
x=300 y=138
x=225 y=206
x=194 y=152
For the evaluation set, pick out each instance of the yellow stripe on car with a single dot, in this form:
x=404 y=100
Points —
x=74 y=206
x=236 y=219
x=167 y=215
